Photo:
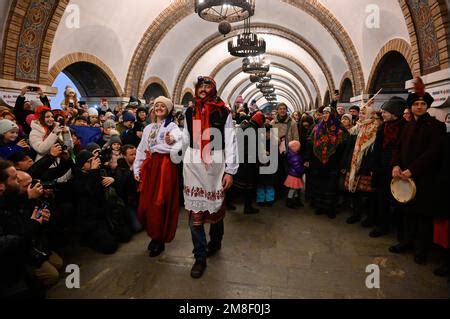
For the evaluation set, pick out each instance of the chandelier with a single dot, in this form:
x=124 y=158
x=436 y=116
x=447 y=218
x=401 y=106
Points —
x=255 y=65
x=267 y=90
x=225 y=10
x=264 y=85
x=247 y=43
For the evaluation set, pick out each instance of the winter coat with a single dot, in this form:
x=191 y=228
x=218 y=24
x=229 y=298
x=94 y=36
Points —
x=287 y=128
x=248 y=171
x=9 y=149
x=295 y=164
x=125 y=184
x=16 y=235
x=42 y=144
x=383 y=155
x=421 y=150
x=49 y=168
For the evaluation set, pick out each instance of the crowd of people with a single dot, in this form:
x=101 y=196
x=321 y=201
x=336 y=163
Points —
x=97 y=176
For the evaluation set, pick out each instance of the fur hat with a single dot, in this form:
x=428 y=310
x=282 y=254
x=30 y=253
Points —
x=414 y=97
x=7 y=125
x=167 y=102
x=396 y=106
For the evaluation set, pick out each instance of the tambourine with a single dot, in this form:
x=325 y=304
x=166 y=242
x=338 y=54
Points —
x=403 y=190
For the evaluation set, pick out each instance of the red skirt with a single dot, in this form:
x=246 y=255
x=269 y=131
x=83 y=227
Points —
x=441 y=232
x=294 y=183
x=159 y=200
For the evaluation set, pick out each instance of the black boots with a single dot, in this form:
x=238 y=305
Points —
x=442 y=271
x=290 y=203
x=400 y=248
x=211 y=249
x=155 y=248
x=198 y=269
x=378 y=232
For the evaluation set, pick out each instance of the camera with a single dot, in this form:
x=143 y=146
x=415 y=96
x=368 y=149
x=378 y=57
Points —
x=33 y=88
x=61 y=122
x=49 y=184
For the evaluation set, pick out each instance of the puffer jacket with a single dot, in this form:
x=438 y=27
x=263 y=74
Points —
x=42 y=144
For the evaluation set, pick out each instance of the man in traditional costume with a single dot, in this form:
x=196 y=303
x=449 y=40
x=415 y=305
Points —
x=210 y=161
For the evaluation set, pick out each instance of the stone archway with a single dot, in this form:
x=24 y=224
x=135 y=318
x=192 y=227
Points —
x=159 y=82
x=391 y=74
x=85 y=60
x=346 y=90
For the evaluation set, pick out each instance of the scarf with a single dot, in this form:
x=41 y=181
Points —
x=367 y=133
x=391 y=132
x=326 y=137
x=203 y=110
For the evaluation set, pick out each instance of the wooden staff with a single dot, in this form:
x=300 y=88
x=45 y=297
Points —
x=373 y=98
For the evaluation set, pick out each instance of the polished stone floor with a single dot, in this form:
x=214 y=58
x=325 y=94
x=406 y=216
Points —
x=279 y=253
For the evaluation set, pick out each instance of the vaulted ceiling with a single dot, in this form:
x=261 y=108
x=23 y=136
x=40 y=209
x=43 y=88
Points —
x=312 y=44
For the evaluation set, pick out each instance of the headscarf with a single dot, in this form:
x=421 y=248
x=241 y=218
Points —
x=203 y=110
x=326 y=137
x=366 y=132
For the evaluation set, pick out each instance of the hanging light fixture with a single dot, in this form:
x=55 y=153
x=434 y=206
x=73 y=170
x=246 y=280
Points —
x=267 y=90
x=247 y=43
x=225 y=12
x=255 y=65
x=264 y=85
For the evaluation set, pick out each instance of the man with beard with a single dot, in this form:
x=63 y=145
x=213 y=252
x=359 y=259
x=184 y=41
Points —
x=16 y=234
x=210 y=161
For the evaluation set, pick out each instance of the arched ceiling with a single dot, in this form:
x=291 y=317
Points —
x=112 y=31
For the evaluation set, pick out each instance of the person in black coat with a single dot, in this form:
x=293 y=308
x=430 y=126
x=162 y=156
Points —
x=386 y=140
x=17 y=231
x=418 y=156
x=247 y=175
x=127 y=186
x=102 y=222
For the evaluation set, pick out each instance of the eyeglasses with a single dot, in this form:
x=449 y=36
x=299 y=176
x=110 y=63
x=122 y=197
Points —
x=203 y=80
